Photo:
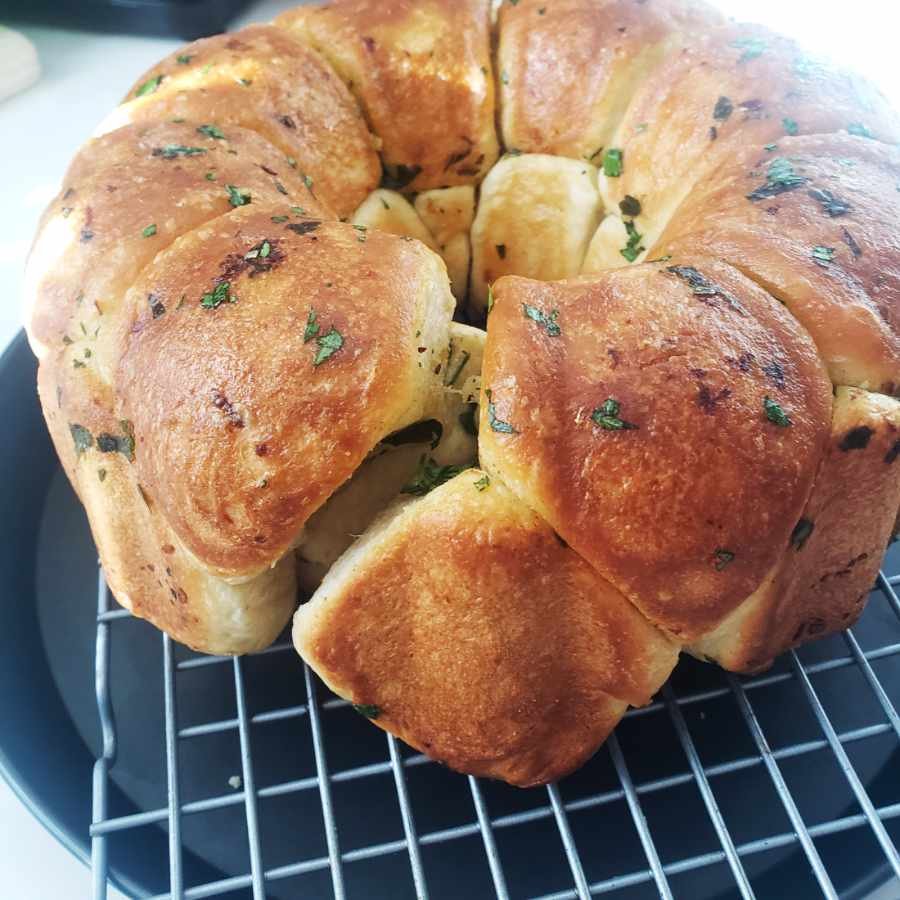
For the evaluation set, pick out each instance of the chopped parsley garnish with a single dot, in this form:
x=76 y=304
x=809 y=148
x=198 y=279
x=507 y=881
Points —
x=775 y=414
x=630 y=206
x=278 y=220
x=361 y=233
x=304 y=227
x=703 y=287
x=607 y=416
x=752 y=47
x=859 y=129
x=800 y=535
x=212 y=131
x=822 y=255
x=308 y=181
x=832 y=205
x=369 y=710
x=613 y=160
x=722 y=558
x=237 y=196
x=210 y=176
x=114 y=443
x=149 y=231
x=81 y=437
x=633 y=249
x=723 y=109
x=495 y=423
x=312 y=327
x=428 y=476
x=780 y=177
x=790 y=126
x=172 y=151
x=545 y=321
x=220 y=294
x=504 y=77
x=261 y=251
x=184 y=58
x=328 y=344
x=770 y=147
x=149 y=86
x=298 y=210
x=483 y=483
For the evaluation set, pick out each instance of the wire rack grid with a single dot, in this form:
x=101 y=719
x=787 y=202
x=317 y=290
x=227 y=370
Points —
x=655 y=874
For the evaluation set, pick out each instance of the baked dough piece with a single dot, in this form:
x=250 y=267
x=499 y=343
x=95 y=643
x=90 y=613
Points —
x=463 y=625
x=569 y=68
x=126 y=196
x=830 y=564
x=263 y=79
x=813 y=220
x=722 y=89
x=391 y=212
x=273 y=373
x=421 y=70
x=449 y=213
x=535 y=217
x=602 y=393
x=146 y=566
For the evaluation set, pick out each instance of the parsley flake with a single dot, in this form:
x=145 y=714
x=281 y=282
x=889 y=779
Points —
x=775 y=414
x=790 y=126
x=210 y=176
x=220 y=294
x=237 y=196
x=495 y=423
x=149 y=86
x=81 y=437
x=212 y=131
x=723 y=109
x=822 y=255
x=613 y=160
x=329 y=344
x=780 y=177
x=149 y=231
x=545 y=321
x=312 y=327
x=752 y=47
x=633 y=249
x=278 y=220
x=770 y=147
x=859 y=129
x=184 y=58
x=831 y=205
x=722 y=558
x=369 y=710
x=428 y=476
x=172 y=151
x=607 y=416
x=483 y=483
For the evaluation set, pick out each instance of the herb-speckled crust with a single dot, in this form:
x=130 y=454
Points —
x=844 y=199
x=421 y=70
x=480 y=638
x=241 y=435
x=824 y=577
x=263 y=79
x=145 y=565
x=676 y=128
x=688 y=503
x=568 y=68
x=91 y=244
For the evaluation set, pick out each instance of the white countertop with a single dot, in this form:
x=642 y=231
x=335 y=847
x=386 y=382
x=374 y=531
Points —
x=84 y=76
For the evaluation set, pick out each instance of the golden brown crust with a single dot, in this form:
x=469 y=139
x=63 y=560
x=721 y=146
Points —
x=481 y=639
x=92 y=244
x=825 y=246
x=568 y=68
x=821 y=584
x=421 y=70
x=687 y=511
x=265 y=80
x=722 y=89
x=240 y=434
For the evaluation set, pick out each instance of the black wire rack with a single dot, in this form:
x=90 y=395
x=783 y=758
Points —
x=794 y=688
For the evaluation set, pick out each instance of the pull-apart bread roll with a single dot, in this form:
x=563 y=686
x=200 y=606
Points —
x=421 y=70
x=813 y=220
x=681 y=429
x=462 y=624
x=263 y=79
x=667 y=420
x=722 y=89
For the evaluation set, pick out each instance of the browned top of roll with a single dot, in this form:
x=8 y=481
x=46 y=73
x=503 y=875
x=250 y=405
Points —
x=479 y=637
x=263 y=79
x=814 y=220
x=666 y=419
x=422 y=72
x=263 y=361
x=126 y=196
x=568 y=68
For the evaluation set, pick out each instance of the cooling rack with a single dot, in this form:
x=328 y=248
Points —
x=785 y=784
